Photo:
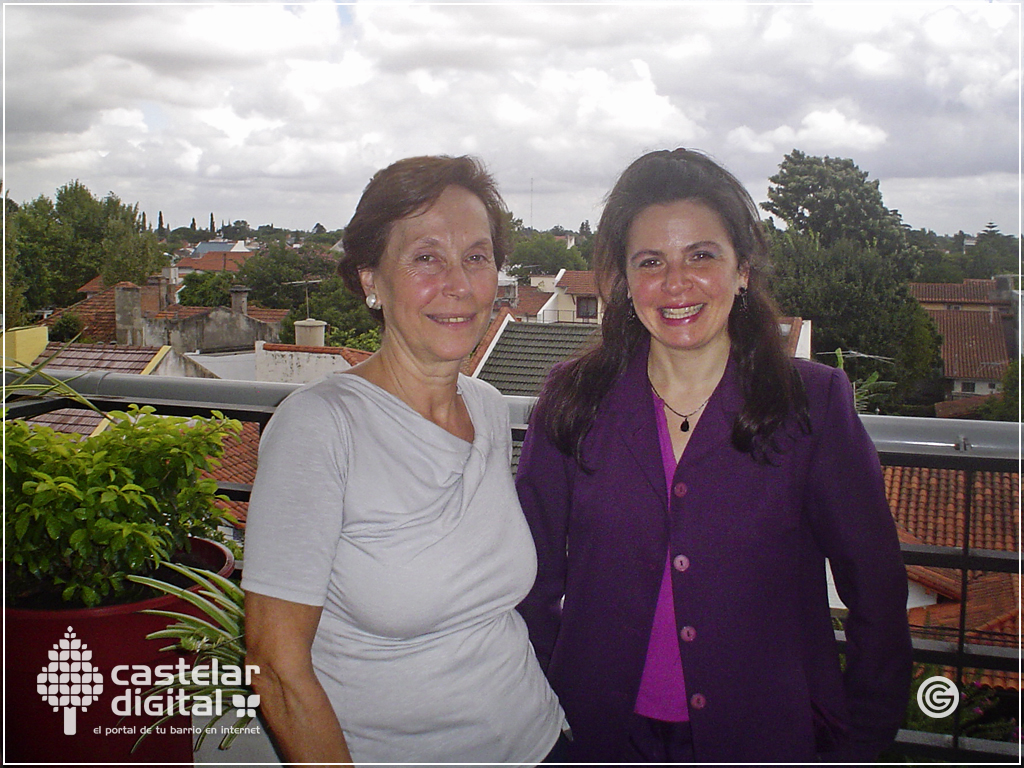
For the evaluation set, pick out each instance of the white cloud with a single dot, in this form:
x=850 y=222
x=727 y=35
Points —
x=826 y=131
x=282 y=113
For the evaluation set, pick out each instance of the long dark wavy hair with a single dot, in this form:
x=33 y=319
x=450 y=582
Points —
x=771 y=387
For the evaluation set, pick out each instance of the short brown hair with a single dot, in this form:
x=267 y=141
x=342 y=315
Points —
x=405 y=188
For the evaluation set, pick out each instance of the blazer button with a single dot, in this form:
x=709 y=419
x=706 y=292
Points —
x=697 y=701
x=680 y=562
x=689 y=634
x=679 y=490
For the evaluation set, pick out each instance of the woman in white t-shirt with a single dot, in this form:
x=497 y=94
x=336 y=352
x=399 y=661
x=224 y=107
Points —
x=385 y=546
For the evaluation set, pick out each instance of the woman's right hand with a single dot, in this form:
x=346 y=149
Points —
x=279 y=638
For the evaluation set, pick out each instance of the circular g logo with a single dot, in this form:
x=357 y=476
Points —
x=938 y=696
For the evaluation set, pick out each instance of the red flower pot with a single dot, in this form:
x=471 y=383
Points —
x=115 y=635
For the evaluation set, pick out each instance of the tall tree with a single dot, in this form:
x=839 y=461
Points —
x=859 y=302
x=62 y=244
x=213 y=226
x=834 y=199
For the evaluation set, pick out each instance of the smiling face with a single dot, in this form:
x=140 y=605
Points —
x=683 y=275
x=437 y=279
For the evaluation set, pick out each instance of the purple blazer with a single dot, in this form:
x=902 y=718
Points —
x=748 y=543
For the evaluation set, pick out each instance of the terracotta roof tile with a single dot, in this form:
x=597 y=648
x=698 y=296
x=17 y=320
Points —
x=88 y=357
x=928 y=503
x=529 y=301
x=968 y=292
x=238 y=465
x=265 y=315
x=97 y=314
x=216 y=261
x=964 y=407
x=973 y=344
x=578 y=282
x=93 y=286
x=97 y=357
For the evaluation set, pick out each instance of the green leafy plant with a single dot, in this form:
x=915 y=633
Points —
x=867 y=393
x=222 y=637
x=84 y=512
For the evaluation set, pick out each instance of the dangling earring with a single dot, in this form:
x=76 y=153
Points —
x=372 y=302
x=743 y=298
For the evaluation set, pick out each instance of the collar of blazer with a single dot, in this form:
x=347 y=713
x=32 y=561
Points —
x=629 y=411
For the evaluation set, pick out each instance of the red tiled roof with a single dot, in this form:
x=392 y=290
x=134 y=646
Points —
x=470 y=364
x=928 y=503
x=265 y=315
x=216 y=261
x=529 y=301
x=578 y=282
x=963 y=408
x=238 y=465
x=88 y=357
x=97 y=357
x=973 y=344
x=970 y=291
x=93 y=286
x=992 y=618
x=352 y=356
x=97 y=314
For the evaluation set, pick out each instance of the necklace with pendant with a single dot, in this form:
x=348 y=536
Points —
x=685 y=426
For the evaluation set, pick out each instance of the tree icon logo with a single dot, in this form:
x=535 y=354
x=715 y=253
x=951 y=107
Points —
x=69 y=680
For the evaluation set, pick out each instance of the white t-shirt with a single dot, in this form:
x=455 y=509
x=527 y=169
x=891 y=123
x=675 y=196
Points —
x=414 y=543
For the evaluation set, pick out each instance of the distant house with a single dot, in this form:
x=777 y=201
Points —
x=215 y=256
x=571 y=297
x=215 y=329
x=978 y=324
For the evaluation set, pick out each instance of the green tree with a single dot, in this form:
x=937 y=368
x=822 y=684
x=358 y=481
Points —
x=60 y=245
x=993 y=253
x=206 y=289
x=858 y=302
x=14 y=311
x=1005 y=406
x=349 y=322
x=834 y=199
x=237 y=230
x=273 y=276
x=542 y=254
x=129 y=250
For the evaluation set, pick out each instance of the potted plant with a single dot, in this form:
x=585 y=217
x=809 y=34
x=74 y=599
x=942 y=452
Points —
x=82 y=514
x=215 y=637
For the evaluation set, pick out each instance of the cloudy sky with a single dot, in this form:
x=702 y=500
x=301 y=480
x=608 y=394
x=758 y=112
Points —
x=280 y=114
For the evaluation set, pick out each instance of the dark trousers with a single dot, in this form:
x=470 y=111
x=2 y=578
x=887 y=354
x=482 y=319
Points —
x=657 y=741
x=648 y=741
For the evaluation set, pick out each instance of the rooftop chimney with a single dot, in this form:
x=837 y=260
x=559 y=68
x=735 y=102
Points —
x=240 y=299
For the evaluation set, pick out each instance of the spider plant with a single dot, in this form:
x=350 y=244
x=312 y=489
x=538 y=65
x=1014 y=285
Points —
x=222 y=637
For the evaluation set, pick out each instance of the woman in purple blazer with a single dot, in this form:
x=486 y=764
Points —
x=685 y=482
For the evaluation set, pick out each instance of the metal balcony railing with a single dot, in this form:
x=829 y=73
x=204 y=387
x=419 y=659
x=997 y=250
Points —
x=964 y=446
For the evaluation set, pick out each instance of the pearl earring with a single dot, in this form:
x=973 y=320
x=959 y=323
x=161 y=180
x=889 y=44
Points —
x=372 y=302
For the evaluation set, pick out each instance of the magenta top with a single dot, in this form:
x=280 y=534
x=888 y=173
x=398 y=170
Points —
x=662 y=693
